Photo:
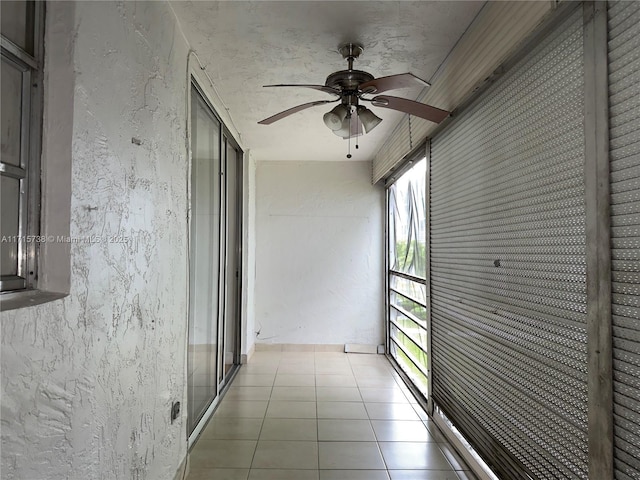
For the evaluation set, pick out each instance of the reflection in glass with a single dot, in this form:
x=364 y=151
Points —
x=10 y=190
x=204 y=260
x=17 y=22
x=11 y=123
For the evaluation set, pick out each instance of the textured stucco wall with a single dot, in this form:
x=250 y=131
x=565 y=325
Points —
x=87 y=382
x=319 y=254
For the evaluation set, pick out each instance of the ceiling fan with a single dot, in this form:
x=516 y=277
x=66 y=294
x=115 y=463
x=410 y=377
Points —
x=355 y=86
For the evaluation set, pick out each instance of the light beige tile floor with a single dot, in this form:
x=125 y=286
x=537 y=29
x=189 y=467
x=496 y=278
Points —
x=321 y=416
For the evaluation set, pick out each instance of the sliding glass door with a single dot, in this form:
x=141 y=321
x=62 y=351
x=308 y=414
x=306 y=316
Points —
x=233 y=177
x=204 y=259
x=214 y=259
x=406 y=287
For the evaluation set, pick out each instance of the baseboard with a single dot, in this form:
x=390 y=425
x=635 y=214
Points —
x=299 y=347
x=360 y=348
x=246 y=357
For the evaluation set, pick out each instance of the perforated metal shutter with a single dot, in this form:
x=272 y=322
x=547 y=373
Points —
x=490 y=39
x=624 y=104
x=394 y=149
x=507 y=271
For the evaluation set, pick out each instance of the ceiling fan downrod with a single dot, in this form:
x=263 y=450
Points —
x=350 y=51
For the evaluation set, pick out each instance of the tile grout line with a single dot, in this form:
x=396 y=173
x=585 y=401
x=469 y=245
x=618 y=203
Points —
x=384 y=461
x=376 y=436
x=262 y=424
x=315 y=382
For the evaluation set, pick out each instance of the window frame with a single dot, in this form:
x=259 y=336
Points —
x=394 y=346
x=29 y=171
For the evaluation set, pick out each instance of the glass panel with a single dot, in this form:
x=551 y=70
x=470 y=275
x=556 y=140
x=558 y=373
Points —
x=407 y=305
x=17 y=23
x=223 y=271
x=407 y=222
x=418 y=378
x=415 y=331
x=11 y=123
x=205 y=260
x=407 y=254
x=411 y=289
x=9 y=224
x=232 y=311
x=408 y=343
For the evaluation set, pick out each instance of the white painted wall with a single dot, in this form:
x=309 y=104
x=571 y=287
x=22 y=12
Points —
x=87 y=381
x=249 y=256
x=319 y=253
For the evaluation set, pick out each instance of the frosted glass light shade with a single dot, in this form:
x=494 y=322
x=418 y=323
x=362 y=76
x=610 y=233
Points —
x=335 y=117
x=369 y=119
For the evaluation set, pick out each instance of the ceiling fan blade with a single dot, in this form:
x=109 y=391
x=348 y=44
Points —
x=322 y=88
x=286 y=113
x=411 y=107
x=402 y=80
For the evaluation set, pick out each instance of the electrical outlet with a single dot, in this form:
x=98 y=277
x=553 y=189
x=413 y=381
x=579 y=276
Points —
x=175 y=411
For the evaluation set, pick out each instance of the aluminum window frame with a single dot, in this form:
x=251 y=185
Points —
x=418 y=154
x=29 y=171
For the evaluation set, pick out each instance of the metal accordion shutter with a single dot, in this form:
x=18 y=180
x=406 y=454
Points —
x=507 y=269
x=624 y=108
x=393 y=151
x=499 y=28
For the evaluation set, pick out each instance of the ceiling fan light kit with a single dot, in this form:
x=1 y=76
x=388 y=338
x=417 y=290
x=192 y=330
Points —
x=352 y=87
x=334 y=118
x=369 y=119
x=351 y=127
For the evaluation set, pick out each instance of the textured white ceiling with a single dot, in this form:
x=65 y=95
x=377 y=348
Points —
x=245 y=45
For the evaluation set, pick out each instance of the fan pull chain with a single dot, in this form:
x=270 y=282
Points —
x=349 y=140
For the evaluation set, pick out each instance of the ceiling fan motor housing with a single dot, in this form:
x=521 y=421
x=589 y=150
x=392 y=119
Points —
x=348 y=79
